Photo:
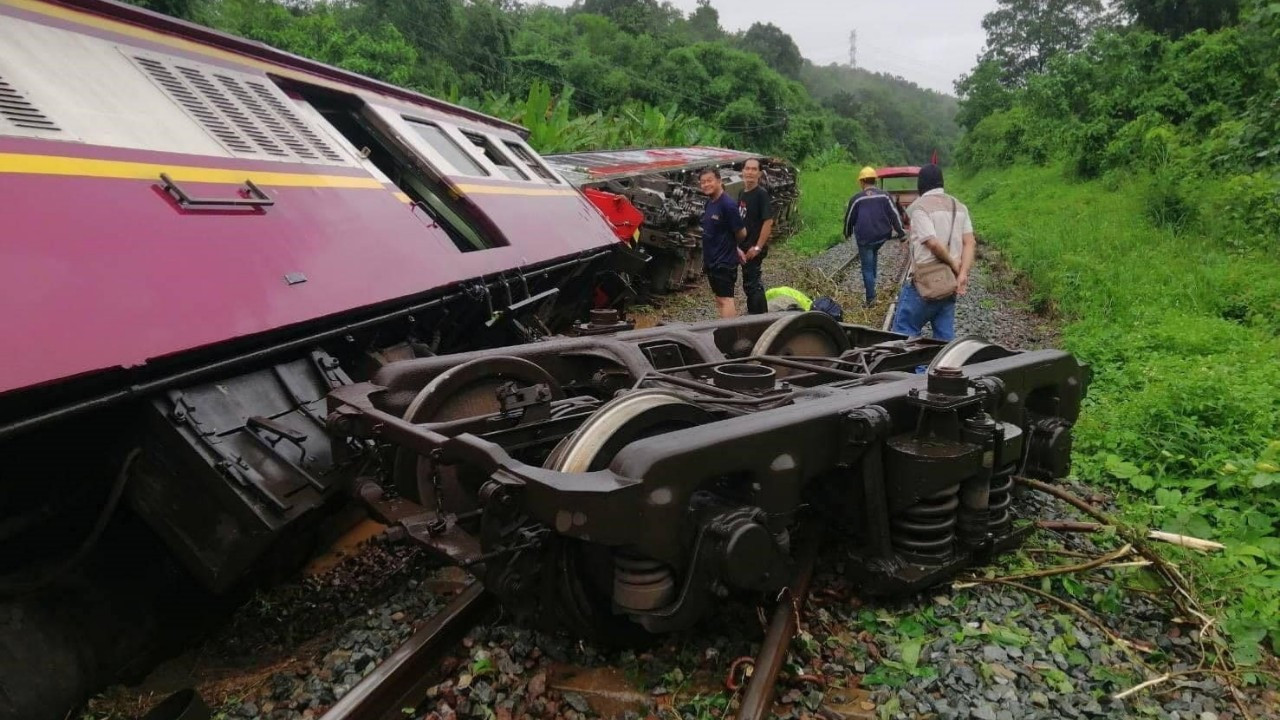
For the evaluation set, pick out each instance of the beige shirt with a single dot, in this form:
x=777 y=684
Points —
x=931 y=217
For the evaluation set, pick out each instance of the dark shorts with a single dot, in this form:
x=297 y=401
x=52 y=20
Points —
x=722 y=280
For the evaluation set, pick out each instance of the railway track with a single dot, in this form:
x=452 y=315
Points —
x=897 y=286
x=403 y=679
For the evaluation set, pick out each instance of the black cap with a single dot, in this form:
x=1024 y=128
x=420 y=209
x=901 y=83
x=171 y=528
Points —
x=930 y=178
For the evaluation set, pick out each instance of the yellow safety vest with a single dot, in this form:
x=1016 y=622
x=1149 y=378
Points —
x=787 y=295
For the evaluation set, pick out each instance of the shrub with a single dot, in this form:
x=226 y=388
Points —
x=1167 y=203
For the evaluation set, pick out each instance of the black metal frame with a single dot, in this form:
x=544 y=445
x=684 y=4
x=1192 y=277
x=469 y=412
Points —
x=906 y=453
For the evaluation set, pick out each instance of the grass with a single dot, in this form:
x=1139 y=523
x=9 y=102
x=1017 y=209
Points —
x=1183 y=335
x=824 y=193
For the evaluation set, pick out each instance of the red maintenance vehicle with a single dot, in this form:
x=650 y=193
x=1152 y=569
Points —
x=900 y=183
x=248 y=298
x=651 y=197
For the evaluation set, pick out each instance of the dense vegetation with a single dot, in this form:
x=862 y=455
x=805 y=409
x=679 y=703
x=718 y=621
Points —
x=606 y=73
x=1131 y=172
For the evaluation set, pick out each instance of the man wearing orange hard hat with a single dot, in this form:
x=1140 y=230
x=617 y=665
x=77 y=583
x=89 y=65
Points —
x=870 y=220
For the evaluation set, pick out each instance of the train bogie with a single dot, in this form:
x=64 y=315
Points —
x=635 y=479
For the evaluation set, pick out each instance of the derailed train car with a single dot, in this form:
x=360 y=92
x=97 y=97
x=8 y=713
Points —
x=652 y=197
x=202 y=237
x=241 y=288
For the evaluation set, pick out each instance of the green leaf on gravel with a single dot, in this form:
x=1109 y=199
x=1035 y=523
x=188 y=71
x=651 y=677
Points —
x=1009 y=637
x=1074 y=587
x=911 y=654
x=910 y=627
x=1058 y=680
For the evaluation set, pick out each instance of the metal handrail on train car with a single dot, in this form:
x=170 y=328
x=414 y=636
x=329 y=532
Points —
x=256 y=197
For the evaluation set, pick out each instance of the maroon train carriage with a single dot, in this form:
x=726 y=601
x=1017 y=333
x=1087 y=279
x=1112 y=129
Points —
x=662 y=184
x=202 y=237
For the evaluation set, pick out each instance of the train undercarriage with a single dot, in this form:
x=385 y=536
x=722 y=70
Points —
x=619 y=483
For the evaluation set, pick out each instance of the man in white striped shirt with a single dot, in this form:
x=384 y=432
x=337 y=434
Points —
x=941 y=232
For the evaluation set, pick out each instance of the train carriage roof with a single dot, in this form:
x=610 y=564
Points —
x=583 y=168
x=165 y=24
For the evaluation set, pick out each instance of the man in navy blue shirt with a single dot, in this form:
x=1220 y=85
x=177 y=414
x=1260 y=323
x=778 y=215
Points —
x=722 y=229
x=870 y=220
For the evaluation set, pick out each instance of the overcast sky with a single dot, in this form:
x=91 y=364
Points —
x=930 y=42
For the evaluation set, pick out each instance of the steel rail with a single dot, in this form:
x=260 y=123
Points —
x=402 y=679
x=757 y=703
x=893 y=304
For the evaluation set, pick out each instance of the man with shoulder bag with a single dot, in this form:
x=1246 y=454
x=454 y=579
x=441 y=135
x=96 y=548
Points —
x=942 y=248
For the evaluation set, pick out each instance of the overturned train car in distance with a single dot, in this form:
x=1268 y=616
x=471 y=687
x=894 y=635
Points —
x=203 y=237
x=651 y=197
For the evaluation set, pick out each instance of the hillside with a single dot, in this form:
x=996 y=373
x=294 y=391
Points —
x=1132 y=174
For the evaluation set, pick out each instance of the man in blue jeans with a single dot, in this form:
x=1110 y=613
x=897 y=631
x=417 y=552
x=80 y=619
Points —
x=941 y=232
x=870 y=220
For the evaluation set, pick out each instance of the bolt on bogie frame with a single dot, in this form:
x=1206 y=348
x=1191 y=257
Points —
x=613 y=482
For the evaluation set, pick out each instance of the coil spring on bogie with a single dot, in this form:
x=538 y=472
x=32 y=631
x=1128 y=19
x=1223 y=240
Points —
x=641 y=583
x=926 y=531
x=1001 y=496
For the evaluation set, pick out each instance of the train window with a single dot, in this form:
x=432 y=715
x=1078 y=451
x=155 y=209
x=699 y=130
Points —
x=448 y=149
x=401 y=166
x=531 y=162
x=495 y=156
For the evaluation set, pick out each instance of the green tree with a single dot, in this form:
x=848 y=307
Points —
x=1022 y=35
x=487 y=31
x=704 y=22
x=637 y=16
x=981 y=94
x=183 y=9
x=776 y=47
x=1176 y=18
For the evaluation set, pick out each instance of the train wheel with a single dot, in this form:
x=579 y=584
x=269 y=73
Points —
x=810 y=334
x=468 y=390
x=968 y=350
x=579 y=580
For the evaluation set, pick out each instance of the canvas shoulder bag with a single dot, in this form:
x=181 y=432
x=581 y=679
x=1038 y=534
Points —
x=935 y=280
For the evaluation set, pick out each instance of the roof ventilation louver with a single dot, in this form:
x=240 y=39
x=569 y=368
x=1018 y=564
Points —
x=17 y=110
x=249 y=118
